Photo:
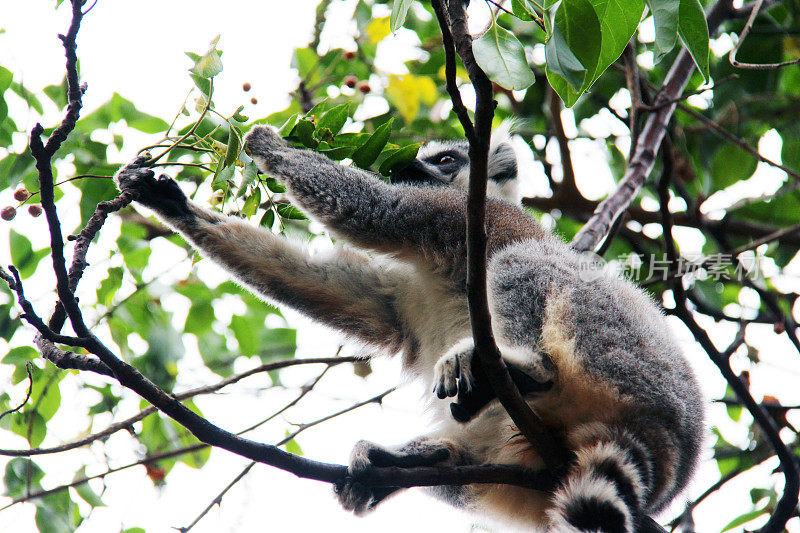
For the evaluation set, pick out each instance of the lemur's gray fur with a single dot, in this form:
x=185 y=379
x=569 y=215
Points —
x=622 y=394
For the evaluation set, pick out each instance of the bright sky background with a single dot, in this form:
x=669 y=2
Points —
x=137 y=49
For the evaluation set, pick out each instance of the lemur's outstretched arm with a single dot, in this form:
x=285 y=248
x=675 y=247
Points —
x=345 y=291
x=421 y=224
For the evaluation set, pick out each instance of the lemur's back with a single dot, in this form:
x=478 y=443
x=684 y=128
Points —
x=600 y=330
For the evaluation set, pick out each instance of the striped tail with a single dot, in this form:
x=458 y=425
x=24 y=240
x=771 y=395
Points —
x=608 y=486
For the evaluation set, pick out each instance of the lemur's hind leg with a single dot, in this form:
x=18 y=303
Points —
x=424 y=451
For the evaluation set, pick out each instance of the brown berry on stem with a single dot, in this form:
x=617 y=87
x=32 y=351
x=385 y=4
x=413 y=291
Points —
x=351 y=81
x=34 y=210
x=246 y=86
x=349 y=54
x=254 y=100
x=21 y=194
x=364 y=87
x=8 y=213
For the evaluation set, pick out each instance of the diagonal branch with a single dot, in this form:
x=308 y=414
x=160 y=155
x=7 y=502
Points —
x=650 y=137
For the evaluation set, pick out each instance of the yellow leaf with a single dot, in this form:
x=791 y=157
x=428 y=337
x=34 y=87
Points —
x=408 y=92
x=377 y=29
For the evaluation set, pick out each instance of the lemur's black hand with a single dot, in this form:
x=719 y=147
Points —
x=161 y=194
x=470 y=401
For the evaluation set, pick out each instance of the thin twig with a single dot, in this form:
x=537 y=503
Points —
x=27 y=396
x=741 y=143
x=743 y=35
x=206 y=389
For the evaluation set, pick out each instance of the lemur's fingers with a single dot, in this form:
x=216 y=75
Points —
x=359 y=498
x=161 y=194
x=452 y=373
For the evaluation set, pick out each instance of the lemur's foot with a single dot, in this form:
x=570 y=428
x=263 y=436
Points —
x=161 y=194
x=453 y=371
x=460 y=373
x=358 y=497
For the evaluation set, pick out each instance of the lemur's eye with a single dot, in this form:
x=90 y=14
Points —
x=445 y=160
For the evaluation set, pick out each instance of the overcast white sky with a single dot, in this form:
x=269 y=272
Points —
x=137 y=49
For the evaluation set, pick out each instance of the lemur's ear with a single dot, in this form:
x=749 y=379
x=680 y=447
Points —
x=502 y=156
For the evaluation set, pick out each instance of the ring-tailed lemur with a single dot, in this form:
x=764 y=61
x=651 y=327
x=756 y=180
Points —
x=614 y=382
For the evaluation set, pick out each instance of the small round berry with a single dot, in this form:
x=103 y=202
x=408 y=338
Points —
x=351 y=81
x=34 y=210
x=349 y=54
x=364 y=87
x=8 y=213
x=254 y=100
x=21 y=194
x=246 y=86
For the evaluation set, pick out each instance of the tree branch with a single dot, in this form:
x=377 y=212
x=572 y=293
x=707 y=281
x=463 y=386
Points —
x=652 y=133
x=454 y=27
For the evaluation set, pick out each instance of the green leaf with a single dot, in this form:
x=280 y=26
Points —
x=22 y=254
x=203 y=84
x=580 y=27
x=618 y=22
x=57 y=93
x=85 y=491
x=367 y=153
x=17 y=473
x=5 y=79
x=57 y=513
x=665 y=17
x=523 y=10
x=289 y=125
x=232 y=151
x=333 y=120
x=15 y=167
x=399 y=12
x=19 y=356
x=399 y=159
x=120 y=108
x=199 y=318
x=209 y=64
x=94 y=191
x=109 y=286
x=561 y=60
x=275 y=185
x=252 y=203
x=304 y=133
x=731 y=164
x=693 y=30
x=249 y=175
x=290 y=212
x=30 y=98
x=502 y=57
x=278 y=342
x=338 y=153
x=743 y=519
x=292 y=447
x=268 y=219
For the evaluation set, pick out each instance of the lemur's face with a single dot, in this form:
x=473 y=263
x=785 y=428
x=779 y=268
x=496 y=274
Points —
x=447 y=164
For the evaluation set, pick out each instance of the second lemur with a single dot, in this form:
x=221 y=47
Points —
x=619 y=390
